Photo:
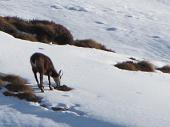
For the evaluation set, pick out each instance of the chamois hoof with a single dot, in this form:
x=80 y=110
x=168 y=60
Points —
x=42 y=90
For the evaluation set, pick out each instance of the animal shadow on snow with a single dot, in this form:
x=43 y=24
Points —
x=68 y=118
x=73 y=109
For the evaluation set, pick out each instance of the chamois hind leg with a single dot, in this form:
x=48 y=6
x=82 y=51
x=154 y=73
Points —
x=49 y=83
x=35 y=75
x=41 y=82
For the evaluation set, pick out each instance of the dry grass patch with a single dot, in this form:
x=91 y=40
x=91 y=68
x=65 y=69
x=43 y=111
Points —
x=7 y=27
x=128 y=65
x=1 y=82
x=90 y=43
x=36 y=30
x=139 y=66
x=44 y=31
x=25 y=36
x=63 y=88
x=145 y=66
x=17 y=87
x=164 y=69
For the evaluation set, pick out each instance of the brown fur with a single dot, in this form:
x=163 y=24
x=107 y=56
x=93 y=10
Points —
x=42 y=64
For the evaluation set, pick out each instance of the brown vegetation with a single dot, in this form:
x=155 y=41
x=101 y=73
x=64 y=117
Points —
x=44 y=31
x=16 y=86
x=139 y=66
x=1 y=82
x=90 y=43
x=128 y=65
x=36 y=30
x=165 y=69
x=63 y=88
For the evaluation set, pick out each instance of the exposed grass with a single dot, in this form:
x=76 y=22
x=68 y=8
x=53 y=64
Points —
x=165 y=69
x=1 y=83
x=145 y=66
x=7 y=27
x=36 y=30
x=63 y=88
x=14 y=79
x=44 y=31
x=128 y=65
x=26 y=36
x=16 y=86
x=139 y=66
x=90 y=43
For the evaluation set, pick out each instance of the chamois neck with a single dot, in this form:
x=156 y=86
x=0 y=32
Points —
x=54 y=73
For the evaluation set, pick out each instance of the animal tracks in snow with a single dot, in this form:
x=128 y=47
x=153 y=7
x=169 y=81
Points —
x=99 y=22
x=75 y=8
x=70 y=7
x=56 y=6
x=111 y=29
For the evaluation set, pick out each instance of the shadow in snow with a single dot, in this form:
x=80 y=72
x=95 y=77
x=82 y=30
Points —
x=99 y=22
x=111 y=29
x=58 y=117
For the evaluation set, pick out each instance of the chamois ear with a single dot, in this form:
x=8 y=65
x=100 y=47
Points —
x=60 y=74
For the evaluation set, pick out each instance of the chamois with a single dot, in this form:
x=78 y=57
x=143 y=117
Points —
x=43 y=65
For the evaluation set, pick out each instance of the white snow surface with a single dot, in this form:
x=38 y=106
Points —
x=134 y=27
x=103 y=95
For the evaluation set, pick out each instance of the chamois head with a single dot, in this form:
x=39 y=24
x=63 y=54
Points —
x=57 y=77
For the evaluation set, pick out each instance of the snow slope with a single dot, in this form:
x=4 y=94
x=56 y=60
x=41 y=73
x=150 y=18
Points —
x=135 y=27
x=103 y=95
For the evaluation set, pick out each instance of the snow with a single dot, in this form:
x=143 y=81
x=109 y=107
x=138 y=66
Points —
x=103 y=95
x=133 y=27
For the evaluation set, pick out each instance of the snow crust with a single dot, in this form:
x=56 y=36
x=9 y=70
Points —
x=134 y=27
x=103 y=95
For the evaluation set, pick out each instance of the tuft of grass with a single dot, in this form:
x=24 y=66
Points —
x=90 y=43
x=1 y=82
x=63 y=88
x=128 y=65
x=17 y=87
x=145 y=66
x=25 y=36
x=7 y=27
x=36 y=30
x=14 y=79
x=23 y=96
x=139 y=66
x=164 y=69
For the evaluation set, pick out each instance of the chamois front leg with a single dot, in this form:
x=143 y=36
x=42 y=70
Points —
x=41 y=82
x=49 y=82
